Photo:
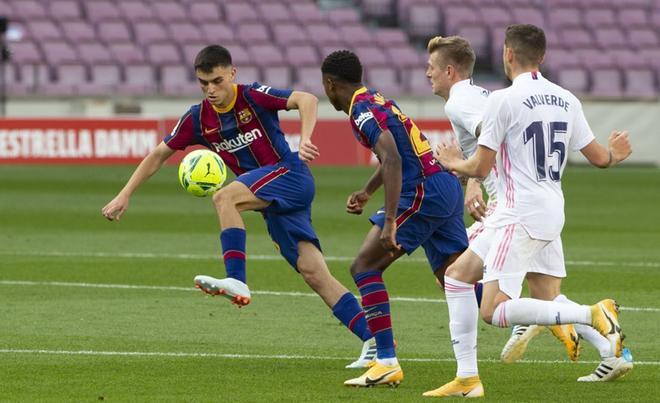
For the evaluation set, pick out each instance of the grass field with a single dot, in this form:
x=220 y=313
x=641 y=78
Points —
x=92 y=310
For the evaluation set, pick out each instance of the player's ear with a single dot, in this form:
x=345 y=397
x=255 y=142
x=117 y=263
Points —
x=232 y=75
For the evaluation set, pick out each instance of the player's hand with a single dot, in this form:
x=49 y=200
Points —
x=307 y=151
x=116 y=208
x=474 y=200
x=356 y=202
x=388 y=237
x=619 y=146
x=446 y=155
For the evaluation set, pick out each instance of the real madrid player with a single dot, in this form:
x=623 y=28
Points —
x=526 y=132
x=240 y=123
x=450 y=65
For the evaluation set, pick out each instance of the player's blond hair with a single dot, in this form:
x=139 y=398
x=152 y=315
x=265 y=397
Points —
x=456 y=51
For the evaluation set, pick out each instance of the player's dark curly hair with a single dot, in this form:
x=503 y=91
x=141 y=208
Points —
x=211 y=57
x=344 y=65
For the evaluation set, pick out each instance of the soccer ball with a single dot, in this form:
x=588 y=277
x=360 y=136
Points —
x=202 y=173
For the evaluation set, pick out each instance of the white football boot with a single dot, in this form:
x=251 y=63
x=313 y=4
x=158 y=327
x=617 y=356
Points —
x=520 y=336
x=367 y=356
x=234 y=290
x=611 y=368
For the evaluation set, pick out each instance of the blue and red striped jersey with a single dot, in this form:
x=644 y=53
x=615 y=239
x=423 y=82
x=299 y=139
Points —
x=246 y=135
x=371 y=114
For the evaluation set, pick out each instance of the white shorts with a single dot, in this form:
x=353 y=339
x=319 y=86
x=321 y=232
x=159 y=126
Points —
x=508 y=253
x=549 y=260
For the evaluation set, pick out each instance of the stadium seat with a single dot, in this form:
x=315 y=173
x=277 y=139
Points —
x=266 y=55
x=44 y=30
x=185 y=32
x=478 y=37
x=633 y=18
x=274 y=13
x=248 y=74
x=178 y=80
x=606 y=83
x=404 y=56
x=576 y=38
x=67 y=79
x=289 y=34
x=114 y=32
x=308 y=13
x=343 y=16
x=599 y=17
x=390 y=37
x=416 y=83
x=65 y=10
x=302 y=55
x=496 y=16
x=309 y=79
x=57 y=53
x=253 y=34
x=205 y=12
x=169 y=11
x=372 y=57
x=324 y=35
x=79 y=31
x=560 y=18
x=27 y=10
x=151 y=32
x=574 y=79
x=423 y=20
x=163 y=53
x=277 y=76
x=643 y=38
x=126 y=53
x=457 y=16
x=383 y=10
x=356 y=35
x=103 y=79
x=136 y=11
x=612 y=37
x=385 y=80
x=217 y=33
x=140 y=79
x=242 y=12
x=97 y=11
x=93 y=53
x=528 y=15
x=640 y=83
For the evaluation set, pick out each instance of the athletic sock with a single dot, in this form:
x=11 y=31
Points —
x=233 y=252
x=350 y=313
x=478 y=292
x=376 y=304
x=589 y=333
x=529 y=311
x=463 y=317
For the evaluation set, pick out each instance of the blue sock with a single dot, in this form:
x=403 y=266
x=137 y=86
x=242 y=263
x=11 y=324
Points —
x=350 y=313
x=233 y=252
x=478 y=290
x=376 y=304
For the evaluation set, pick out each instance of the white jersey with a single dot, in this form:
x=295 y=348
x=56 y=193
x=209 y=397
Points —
x=531 y=125
x=465 y=108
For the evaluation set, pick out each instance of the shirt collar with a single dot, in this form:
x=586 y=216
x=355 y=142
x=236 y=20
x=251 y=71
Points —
x=459 y=84
x=231 y=104
x=357 y=92
x=528 y=76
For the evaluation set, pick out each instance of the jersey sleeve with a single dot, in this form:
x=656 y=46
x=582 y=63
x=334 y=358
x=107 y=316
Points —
x=496 y=120
x=582 y=134
x=274 y=99
x=369 y=121
x=183 y=133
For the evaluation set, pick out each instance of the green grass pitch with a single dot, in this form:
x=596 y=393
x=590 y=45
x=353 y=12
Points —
x=92 y=310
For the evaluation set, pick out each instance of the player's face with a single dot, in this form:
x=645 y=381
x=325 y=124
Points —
x=329 y=88
x=217 y=85
x=440 y=80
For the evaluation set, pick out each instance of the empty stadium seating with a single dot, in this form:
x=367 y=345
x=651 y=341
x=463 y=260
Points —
x=599 y=48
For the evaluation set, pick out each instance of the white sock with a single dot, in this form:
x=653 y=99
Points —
x=463 y=317
x=529 y=311
x=388 y=361
x=589 y=333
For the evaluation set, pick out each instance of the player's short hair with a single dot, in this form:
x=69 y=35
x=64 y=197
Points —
x=211 y=57
x=527 y=42
x=343 y=64
x=456 y=50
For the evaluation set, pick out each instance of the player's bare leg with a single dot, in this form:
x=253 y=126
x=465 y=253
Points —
x=229 y=202
x=344 y=305
x=367 y=270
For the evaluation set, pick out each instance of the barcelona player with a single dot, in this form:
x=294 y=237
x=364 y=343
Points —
x=423 y=203
x=240 y=123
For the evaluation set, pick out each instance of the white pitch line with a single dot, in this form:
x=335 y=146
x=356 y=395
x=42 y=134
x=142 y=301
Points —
x=190 y=256
x=270 y=357
x=257 y=292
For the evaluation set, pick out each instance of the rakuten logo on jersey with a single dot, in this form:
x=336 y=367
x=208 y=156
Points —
x=241 y=141
x=363 y=117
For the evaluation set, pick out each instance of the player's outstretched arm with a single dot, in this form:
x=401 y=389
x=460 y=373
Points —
x=307 y=105
x=149 y=165
x=618 y=149
x=477 y=166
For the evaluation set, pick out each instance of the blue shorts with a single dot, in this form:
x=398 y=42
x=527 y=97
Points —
x=430 y=215
x=289 y=187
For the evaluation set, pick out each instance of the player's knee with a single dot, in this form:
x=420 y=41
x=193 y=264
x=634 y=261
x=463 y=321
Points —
x=222 y=198
x=451 y=271
x=487 y=315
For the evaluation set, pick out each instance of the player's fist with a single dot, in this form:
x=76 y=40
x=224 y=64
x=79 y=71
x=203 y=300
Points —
x=447 y=154
x=619 y=146
x=116 y=208
x=307 y=151
x=356 y=202
x=474 y=200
